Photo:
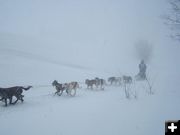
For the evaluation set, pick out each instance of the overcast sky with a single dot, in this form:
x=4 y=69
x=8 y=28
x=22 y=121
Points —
x=77 y=20
x=94 y=32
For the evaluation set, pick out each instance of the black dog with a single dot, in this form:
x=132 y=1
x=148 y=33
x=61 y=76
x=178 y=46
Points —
x=59 y=87
x=8 y=93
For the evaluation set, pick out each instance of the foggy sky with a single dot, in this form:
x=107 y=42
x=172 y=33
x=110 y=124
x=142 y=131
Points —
x=94 y=33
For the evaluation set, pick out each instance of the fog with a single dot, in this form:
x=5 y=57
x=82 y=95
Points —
x=89 y=33
x=74 y=40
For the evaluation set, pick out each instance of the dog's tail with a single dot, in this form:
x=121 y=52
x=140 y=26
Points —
x=27 y=88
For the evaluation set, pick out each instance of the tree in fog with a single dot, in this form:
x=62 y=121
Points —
x=173 y=18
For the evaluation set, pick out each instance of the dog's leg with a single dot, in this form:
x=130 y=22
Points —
x=5 y=100
x=2 y=99
x=60 y=92
x=67 y=91
x=55 y=93
x=16 y=100
x=21 y=97
x=10 y=100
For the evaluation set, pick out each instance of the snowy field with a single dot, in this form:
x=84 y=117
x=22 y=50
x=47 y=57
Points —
x=89 y=112
x=41 y=41
x=97 y=112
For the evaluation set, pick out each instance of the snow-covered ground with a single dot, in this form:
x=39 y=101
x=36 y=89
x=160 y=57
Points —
x=89 y=112
x=41 y=41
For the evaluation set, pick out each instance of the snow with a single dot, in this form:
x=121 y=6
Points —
x=41 y=41
x=90 y=111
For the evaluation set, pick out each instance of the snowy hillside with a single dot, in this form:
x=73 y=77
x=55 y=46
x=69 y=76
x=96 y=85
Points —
x=89 y=112
x=41 y=41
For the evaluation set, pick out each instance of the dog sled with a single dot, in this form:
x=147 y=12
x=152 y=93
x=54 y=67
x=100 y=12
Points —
x=140 y=77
